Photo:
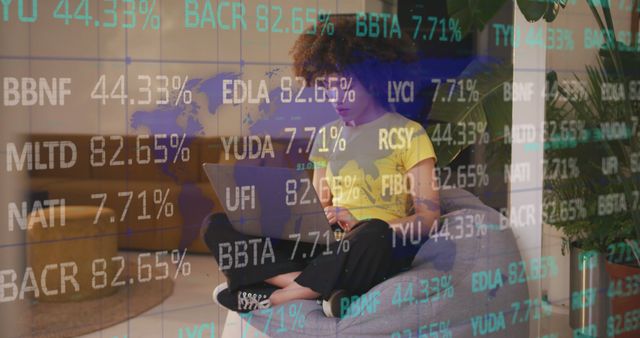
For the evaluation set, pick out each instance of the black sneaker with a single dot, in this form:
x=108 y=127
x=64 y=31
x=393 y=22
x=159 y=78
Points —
x=245 y=300
x=333 y=306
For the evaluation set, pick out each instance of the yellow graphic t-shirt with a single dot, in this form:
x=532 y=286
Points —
x=367 y=165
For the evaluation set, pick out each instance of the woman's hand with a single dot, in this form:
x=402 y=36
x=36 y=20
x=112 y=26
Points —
x=342 y=216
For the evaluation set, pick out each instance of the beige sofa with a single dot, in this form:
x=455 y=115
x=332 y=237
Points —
x=154 y=226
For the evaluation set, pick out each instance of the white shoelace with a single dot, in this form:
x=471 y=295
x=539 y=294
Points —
x=252 y=301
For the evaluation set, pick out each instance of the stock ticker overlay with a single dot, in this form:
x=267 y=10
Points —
x=319 y=168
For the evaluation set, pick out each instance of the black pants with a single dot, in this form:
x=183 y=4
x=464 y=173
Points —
x=373 y=255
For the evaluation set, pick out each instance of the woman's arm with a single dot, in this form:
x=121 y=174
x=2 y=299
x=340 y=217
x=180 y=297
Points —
x=321 y=186
x=426 y=201
x=335 y=214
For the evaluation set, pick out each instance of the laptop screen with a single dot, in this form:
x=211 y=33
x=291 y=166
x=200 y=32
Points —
x=271 y=202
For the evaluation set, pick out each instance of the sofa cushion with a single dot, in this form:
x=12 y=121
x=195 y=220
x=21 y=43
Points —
x=137 y=228
x=82 y=165
x=440 y=262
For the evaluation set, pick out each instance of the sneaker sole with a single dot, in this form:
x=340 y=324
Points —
x=335 y=298
x=326 y=308
x=217 y=291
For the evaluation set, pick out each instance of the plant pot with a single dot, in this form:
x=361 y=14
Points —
x=624 y=293
x=557 y=293
x=588 y=283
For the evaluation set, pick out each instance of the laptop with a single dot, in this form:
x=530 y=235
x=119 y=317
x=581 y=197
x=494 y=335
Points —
x=270 y=202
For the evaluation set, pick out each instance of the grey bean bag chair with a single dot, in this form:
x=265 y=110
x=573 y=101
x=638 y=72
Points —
x=418 y=302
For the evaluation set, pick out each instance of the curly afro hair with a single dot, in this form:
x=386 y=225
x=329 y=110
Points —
x=373 y=61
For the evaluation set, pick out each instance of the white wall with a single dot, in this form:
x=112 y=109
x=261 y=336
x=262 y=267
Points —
x=11 y=190
x=49 y=37
x=529 y=67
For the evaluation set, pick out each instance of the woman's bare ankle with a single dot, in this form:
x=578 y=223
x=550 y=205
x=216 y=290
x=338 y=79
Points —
x=283 y=280
x=277 y=298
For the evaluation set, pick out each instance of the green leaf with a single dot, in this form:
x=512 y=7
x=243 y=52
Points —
x=473 y=14
x=490 y=109
x=595 y=232
x=533 y=10
x=552 y=12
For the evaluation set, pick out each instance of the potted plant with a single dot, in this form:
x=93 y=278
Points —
x=606 y=152
x=590 y=201
x=594 y=204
